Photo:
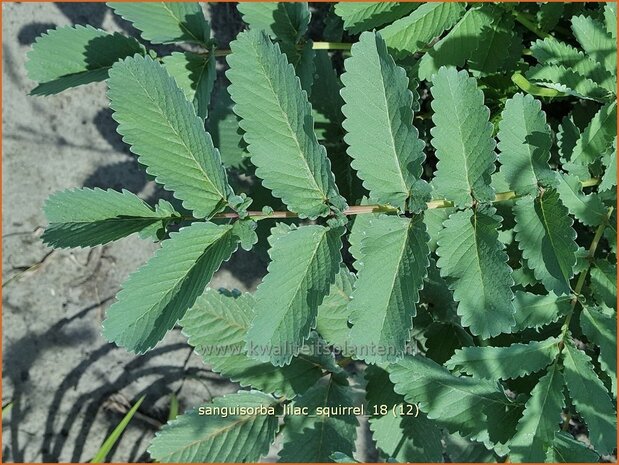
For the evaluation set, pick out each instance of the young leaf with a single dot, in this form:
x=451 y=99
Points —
x=540 y=421
x=72 y=56
x=278 y=130
x=415 y=31
x=566 y=449
x=333 y=313
x=594 y=141
x=535 y=311
x=604 y=283
x=394 y=256
x=588 y=209
x=505 y=362
x=165 y=133
x=217 y=326
x=545 y=235
x=89 y=217
x=594 y=40
x=524 y=143
x=286 y=21
x=156 y=296
x=601 y=330
x=166 y=22
x=288 y=298
x=469 y=252
x=456 y=403
x=590 y=398
x=365 y=16
x=388 y=157
x=217 y=438
x=195 y=75
x=459 y=44
x=462 y=137
x=314 y=438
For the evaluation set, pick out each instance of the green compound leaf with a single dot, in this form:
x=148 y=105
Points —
x=540 y=420
x=594 y=40
x=217 y=326
x=601 y=330
x=89 y=217
x=609 y=178
x=72 y=56
x=385 y=146
x=535 y=311
x=195 y=75
x=524 y=143
x=459 y=44
x=595 y=140
x=287 y=21
x=162 y=127
x=495 y=41
x=166 y=22
x=610 y=18
x=590 y=398
x=566 y=449
x=156 y=296
x=333 y=313
x=459 y=404
x=505 y=362
x=394 y=257
x=469 y=252
x=313 y=438
x=288 y=298
x=588 y=209
x=415 y=31
x=545 y=235
x=462 y=137
x=568 y=82
x=217 y=438
x=278 y=130
x=604 y=283
x=364 y=16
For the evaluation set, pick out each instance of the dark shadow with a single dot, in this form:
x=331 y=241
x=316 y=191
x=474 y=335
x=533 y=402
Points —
x=28 y=33
x=226 y=22
x=83 y=13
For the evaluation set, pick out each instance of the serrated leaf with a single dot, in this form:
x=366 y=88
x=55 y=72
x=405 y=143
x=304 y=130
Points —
x=288 y=298
x=72 y=56
x=287 y=21
x=594 y=141
x=540 y=420
x=459 y=44
x=365 y=16
x=494 y=39
x=545 y=235
x=535 y=311
x=415 y=31
x=195 y=75
x=388 y=157
x=394 y=257
x=462 y=137
x=223 y=126
x=588 y=209
x=217 y=325
x=567 y=136
x=610 y=18
x=156 y=296
x=464 y=450
x=549 y=15
x=609 y=178
x=566 y=449
x=604 y=283
x=590 y=398
x=456 y=403
x=332 y=319
x=314 y=438
x=505 y=362
x=166 y=22
x=217 y=438
x=567 y=81
x=594 y=40
x=524 y=143
x=470 y=253
x=601 y=330
x=162 y=127
x=279 y=131
x=88 y=217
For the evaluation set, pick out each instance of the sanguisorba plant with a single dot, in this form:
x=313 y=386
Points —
x=475 y=304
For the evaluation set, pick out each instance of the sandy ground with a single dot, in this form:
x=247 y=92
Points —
x=67 y=383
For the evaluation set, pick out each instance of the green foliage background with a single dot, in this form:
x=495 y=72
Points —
x=447 y=173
